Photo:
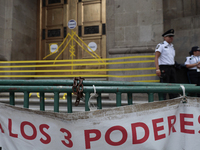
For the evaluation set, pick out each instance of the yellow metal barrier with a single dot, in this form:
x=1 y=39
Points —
x=77 y=70
x=68 y=63
x=147 y=81
x=78 y=64
x=55 y=65
x=72 y=51
x=25 y=66
x=65 y=76
x=76 y=60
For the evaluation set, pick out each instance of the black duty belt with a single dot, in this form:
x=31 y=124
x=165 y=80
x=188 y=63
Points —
x=192 y=70
x=170 y=66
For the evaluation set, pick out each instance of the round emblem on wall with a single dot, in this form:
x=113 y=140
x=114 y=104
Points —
x=72 y=24
x=93 y=46
x=53 y=47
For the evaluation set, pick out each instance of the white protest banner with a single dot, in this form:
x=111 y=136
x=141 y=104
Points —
x=166 y=125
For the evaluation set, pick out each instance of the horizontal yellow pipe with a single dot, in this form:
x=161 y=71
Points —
x=81 y=64
x=64 y=76
x=78 y=70
x=147 y=81
x=76 y=60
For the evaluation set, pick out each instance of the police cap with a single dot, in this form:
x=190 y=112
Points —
x=193 y=49
x=168 y=33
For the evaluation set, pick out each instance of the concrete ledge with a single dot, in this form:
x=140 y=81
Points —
x=132 y=50
x=109 y=113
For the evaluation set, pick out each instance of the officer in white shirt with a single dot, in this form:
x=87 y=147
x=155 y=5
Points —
x=193 y=64
x=164 y=60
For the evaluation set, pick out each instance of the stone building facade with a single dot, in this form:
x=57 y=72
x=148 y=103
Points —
x=184 y=17
x=134 y=27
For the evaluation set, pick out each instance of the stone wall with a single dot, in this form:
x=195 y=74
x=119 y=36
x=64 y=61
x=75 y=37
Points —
x=24 y=30
x=2 y=25
x=18 y=29
x=133 y=28
x=184 y=17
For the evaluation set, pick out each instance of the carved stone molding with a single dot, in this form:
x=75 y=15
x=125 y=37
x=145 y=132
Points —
x=132 y=50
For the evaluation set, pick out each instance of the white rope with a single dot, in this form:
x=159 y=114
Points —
x=92 y=95
x=183 y=88
x=184 y=97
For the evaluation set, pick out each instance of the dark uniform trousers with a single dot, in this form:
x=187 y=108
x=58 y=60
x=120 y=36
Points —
x=194 y=78
x=168 y=75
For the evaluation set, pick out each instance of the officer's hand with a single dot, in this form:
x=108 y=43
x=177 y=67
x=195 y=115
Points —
x=158 y=73
x=198 y=64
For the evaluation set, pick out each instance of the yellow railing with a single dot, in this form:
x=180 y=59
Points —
x=68 y=68
x=26 y=66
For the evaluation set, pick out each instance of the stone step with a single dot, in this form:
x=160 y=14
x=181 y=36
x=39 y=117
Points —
x=47 y=95
x=34 y=101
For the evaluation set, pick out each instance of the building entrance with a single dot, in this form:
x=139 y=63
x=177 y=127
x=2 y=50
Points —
x=53 y=19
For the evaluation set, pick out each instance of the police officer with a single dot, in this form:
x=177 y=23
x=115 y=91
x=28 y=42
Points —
x=164 y=60
x=193 y=64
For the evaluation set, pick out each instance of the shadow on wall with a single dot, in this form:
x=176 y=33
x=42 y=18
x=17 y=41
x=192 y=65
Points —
x=2 y=58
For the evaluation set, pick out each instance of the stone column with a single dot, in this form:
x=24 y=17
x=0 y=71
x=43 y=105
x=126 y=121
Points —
x=8 y=29
x=133 y=28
